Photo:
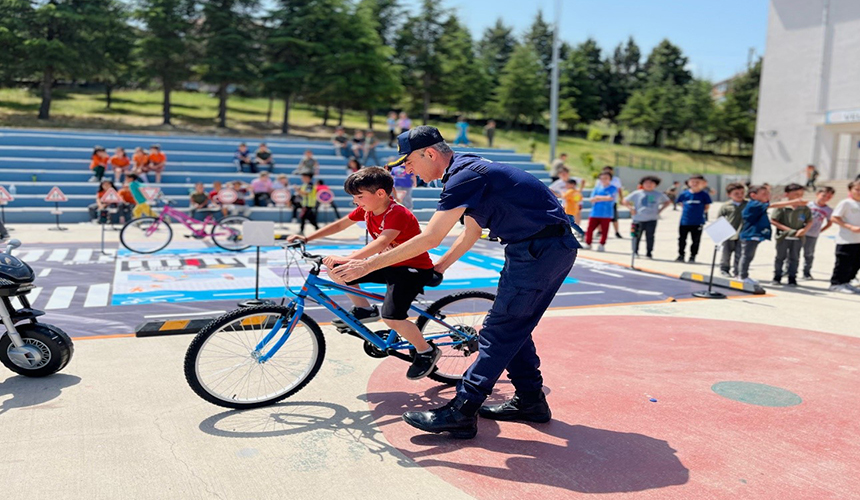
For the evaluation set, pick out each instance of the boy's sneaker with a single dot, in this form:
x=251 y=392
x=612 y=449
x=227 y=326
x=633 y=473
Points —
x=423 y=363
x=792 y=281
x=586 y=246
x=844 y=288
x=750 y=281
x=601 y=248
x=692 y=259
x=618 y=235
x=725 y=274
x=362 y=314
x=680 y=258
x=808 y=276
x=649 y=256
x=777 y=280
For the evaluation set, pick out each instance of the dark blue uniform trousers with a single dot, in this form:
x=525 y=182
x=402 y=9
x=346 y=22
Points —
x=533 y=272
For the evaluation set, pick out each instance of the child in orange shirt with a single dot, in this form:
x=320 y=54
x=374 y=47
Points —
x=119 y=161
x=99 y=163
x=573 y=204
x=138 y=163
x=157 y=161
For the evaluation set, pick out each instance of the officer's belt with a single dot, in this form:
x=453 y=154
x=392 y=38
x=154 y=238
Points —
x=552 y=231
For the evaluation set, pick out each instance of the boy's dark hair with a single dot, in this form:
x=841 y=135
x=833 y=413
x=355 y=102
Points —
x=133 y=177
x=653 y=178
x=852 y=184
x=826 y=189
x=755 y=188
x=369 y=179
x=96 y=149
x=793 y=187
x=563 y=170
x=605 y=172
x=609 y=168
x=571 y=181
x=734 y=186
x=697 y=176
x=320 y=182
x=155 y=146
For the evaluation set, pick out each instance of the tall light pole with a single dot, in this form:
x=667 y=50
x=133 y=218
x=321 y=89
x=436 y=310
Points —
x=553 y=98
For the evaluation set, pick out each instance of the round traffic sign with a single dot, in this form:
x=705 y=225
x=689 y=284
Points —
x=228 y=196
x=280 y=196
x=325 y=196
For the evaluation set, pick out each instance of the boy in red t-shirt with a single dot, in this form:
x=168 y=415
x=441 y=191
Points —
x=390 y=224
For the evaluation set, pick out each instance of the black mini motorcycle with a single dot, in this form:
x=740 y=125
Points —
x=27 y=347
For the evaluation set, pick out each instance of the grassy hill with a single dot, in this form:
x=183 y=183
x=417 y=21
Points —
x=140 y=110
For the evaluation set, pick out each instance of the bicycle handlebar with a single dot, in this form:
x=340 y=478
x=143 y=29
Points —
x=300 y=246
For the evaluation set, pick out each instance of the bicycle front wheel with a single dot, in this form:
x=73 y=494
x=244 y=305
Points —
x=227 y=234
x=146 y=235
x=223 y=366
x=466 y=312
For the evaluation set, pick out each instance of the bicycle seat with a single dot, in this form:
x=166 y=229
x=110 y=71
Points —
x=436 y=280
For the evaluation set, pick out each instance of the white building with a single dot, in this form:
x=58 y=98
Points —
x=809 y=100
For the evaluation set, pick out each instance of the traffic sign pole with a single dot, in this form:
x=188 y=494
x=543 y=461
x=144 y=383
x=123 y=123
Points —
x=57 y=213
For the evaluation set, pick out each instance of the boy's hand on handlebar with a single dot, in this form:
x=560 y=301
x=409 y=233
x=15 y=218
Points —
x=297 y=237
x=334 y=260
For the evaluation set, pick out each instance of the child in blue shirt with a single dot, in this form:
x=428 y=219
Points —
x=696 y=202
x=603 y=197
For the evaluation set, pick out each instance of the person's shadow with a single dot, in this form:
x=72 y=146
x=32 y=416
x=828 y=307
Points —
x=28 y=391
x=590 y=460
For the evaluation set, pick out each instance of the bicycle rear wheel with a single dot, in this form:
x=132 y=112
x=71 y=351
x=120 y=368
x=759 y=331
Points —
x=227 y=234
x=465 y=311
x=146 y=235
x=222 y=366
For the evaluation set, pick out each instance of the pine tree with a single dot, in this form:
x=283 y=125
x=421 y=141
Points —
x=521 y=88
x=419 y=53
x=494 y=50
x=584 y=77
x=165 y=47
x=464 y=83
x=229 y=48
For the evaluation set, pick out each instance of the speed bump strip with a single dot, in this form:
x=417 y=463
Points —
x=724 y=283
x=171 y=327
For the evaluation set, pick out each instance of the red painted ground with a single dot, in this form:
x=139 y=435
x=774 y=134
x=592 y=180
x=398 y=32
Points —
x=607 y=438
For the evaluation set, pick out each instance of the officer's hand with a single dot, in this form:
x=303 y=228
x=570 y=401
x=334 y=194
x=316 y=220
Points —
x=297 y=237
x=351 y=270
x=334 y=260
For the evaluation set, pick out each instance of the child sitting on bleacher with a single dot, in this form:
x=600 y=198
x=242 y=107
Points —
x=120 y=162
x=99 y=163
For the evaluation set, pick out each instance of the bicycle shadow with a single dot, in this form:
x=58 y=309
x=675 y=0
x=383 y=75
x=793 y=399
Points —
x=28 y=391
x=297 y=417
x=590 y=460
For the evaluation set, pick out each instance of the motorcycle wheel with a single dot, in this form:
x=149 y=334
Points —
x=49 y=350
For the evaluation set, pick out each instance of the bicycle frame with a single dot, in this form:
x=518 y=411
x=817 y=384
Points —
x=185 y=220
x=311 y=289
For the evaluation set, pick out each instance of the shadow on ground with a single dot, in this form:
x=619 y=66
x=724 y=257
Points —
x=27 y=392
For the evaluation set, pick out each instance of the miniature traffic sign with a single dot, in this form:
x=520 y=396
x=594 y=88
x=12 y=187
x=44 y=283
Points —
x=55 y=195
x=150 y=192
x=325 y=196
x=5 y=197
x=228 y=196
x=111 y=196
x=280 y=196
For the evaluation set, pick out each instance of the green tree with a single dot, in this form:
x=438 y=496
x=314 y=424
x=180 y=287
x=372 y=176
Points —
x=419 y=53
x=494 y=50
x=115 y=65
x=464 y=83
x=15 y=17
x=625 y=77
x=229 y=49
x=521 y=87
x=296 y=47
x=165 y=48
x=584 y=77
x=539 y=37
x=656 y=108
x=698 y=110
x=738 y=111
x=58 y=41
x=387 y=16
x=366 y=79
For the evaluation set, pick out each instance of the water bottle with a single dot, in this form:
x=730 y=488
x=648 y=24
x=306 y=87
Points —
x=13 y=190
x=34 y=177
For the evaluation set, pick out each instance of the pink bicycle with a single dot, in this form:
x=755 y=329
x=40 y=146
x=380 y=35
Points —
x=151 y=234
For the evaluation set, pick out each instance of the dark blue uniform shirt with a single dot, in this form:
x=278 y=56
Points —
x=512 y=203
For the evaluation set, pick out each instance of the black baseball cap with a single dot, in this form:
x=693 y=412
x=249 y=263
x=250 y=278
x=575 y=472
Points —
x=415 y=139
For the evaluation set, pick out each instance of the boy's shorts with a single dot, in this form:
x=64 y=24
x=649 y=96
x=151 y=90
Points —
x=404 y=284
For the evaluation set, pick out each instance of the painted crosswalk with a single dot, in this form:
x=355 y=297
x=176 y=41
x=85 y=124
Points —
x=65 y=297
x=68 y=256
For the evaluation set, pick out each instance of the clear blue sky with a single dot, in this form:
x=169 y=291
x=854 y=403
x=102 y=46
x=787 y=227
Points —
x=715 y=35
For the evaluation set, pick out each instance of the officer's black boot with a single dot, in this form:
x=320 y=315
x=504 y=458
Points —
x=459 y=417
x=523 y=407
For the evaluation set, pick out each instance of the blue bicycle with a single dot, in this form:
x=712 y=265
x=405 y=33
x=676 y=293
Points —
x=256 y=356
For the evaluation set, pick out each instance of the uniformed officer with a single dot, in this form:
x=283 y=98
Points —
x=540 y=251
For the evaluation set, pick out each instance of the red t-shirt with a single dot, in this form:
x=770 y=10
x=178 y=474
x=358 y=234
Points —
x=399 y=218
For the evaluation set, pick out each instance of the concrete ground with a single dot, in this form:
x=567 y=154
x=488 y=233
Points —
x=121 y=422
